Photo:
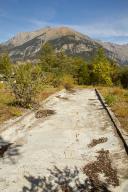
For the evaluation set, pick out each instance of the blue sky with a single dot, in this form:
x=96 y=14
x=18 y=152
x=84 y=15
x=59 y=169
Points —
x=106 y=20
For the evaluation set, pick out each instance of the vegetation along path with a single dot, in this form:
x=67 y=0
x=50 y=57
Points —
x=73 y=144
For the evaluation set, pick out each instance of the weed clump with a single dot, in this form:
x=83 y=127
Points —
x=68 y=82
x=110 y=99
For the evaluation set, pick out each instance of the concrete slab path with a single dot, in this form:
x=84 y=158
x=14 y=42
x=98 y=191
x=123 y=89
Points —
x=61 y=139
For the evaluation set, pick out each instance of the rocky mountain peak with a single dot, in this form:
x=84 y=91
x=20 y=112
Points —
x=22 y=37
x=26 y=45
x=48 y=32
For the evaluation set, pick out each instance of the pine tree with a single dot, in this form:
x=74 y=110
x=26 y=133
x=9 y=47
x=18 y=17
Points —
x=47 y=57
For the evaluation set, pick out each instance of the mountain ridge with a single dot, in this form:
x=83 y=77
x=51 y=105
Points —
x=26 y=45
x=26 y=36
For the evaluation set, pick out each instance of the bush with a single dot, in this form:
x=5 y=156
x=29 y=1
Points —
x=56 y=82
x=2 y=85
x=68 y=82
x=124 y=77
x=25 y=83
x=5 y=67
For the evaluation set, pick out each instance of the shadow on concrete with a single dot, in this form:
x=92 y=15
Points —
x=8 y=150
x=65 y=180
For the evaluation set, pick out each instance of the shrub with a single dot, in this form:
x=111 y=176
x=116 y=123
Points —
x=124 y=77
x=68 y=82
x=5 y=67
x=25 y=83
x=2 y=85
x=56 y=82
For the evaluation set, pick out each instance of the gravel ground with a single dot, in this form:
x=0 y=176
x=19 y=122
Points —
x=59 y=139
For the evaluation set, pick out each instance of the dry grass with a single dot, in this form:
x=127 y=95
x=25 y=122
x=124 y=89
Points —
x=45 y=92
x=7 y=108
x=7 y=111
x=117 y=98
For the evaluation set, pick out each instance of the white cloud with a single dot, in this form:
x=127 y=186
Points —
x=99 y=29
x=115 y=31
x=119 y=28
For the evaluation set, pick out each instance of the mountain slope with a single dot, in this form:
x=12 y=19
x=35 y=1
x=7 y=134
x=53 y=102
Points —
x=73 y=43
x=26 y=45
x=23 y=37
x=121 y=51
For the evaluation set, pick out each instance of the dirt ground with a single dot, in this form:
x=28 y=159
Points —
x=35 y=143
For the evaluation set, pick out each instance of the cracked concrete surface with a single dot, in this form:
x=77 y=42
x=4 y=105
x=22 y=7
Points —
x=61 y=139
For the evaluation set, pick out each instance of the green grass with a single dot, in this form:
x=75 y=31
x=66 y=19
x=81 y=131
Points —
x=111 y=99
